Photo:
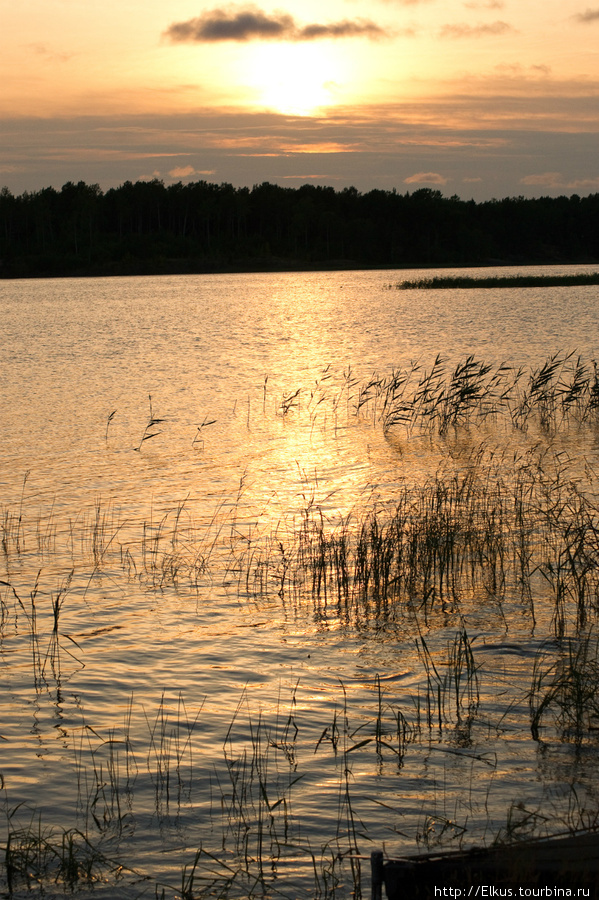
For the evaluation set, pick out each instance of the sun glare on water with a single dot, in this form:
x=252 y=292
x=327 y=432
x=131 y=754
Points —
x=294 y=79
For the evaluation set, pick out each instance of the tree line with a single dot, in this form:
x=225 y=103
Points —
x=149 y=227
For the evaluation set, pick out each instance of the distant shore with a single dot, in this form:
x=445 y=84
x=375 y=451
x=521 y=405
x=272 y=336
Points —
x=149 y=228
x=141 y=267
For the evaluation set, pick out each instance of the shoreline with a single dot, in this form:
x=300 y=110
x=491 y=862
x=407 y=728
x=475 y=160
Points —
x=137 y=268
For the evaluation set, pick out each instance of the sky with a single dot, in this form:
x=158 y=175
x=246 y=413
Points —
x=479 y=98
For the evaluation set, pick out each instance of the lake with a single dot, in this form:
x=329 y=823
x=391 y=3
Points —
x=277 y=589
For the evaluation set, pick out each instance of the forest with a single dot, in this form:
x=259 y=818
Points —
x=148 y=227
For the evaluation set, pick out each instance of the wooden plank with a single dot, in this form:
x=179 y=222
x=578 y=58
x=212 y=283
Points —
x=568 y=863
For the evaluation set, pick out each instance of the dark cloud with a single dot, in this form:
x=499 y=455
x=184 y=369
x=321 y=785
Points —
x=346 y=28
x=250 y=23
x=243 y=25
x=476 y=31
x=589 y=15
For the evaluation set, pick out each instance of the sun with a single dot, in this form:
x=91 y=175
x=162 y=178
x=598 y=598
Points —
x=294 y=79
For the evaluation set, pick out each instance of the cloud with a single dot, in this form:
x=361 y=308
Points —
x=556 y=180
x=251 y=23
x=485 y=4
x=453 y=136
x=346 y=28
x=187 y=171
x=584 y=184
x=522 y=73
x=463 y=30
x=548 y=179
x=49 y=55
x=219 y=25
x=589 y=15
x=426 y=178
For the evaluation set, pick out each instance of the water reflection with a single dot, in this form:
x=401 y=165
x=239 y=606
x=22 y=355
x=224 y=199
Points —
x=304 y=632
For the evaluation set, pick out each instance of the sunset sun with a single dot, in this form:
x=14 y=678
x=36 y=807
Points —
x=294 y=79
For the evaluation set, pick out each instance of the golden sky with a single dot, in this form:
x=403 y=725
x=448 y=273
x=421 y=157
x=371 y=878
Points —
x=480 y=98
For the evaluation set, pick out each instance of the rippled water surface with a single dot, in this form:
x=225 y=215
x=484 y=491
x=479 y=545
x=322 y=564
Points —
x=193 y=695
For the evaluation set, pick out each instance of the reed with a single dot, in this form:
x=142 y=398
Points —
x=564 y=695
x=495 y=528
x=34 y=855
x=508 y=533
x=452 y=282
x=198 y=441
x=452 y=691
x=264 y=762
x=563 y=390
x=288 y=402
x=109 y=419
x=149 y=431
x=169 y=757
x=12 y=526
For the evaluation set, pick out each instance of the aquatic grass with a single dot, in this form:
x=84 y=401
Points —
x=109 y=768
x=107 y=800
x=44 y=858
x=149 y=431
x=569 y=557
x=257 y=803
x=109 y=419
x=265 y=760
x=29 y=610
x=97 y=532
x=288 y=402
x=198 y=441
x=541 y=393
x=564 y=695
x=521 y=824
x=443 y=397
x=523 y=821
x=13 y=527
x=390 y=731
x=257 y=812
x=452 y=282
x=34 y=855
x=452 y=687
x=171 y=549
x=491 y=530
x=510 y=534
x=166 y=547
x=19 y=531
x=170 y=752
x=439 y=831
x=436 y=399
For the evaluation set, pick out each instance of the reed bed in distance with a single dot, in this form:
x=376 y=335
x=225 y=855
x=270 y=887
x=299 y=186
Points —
x=449 y=282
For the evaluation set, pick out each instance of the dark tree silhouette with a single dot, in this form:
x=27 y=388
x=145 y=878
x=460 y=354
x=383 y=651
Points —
x=147 y=227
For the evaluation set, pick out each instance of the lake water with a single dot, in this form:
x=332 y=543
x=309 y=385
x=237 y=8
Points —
x=178 y=698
